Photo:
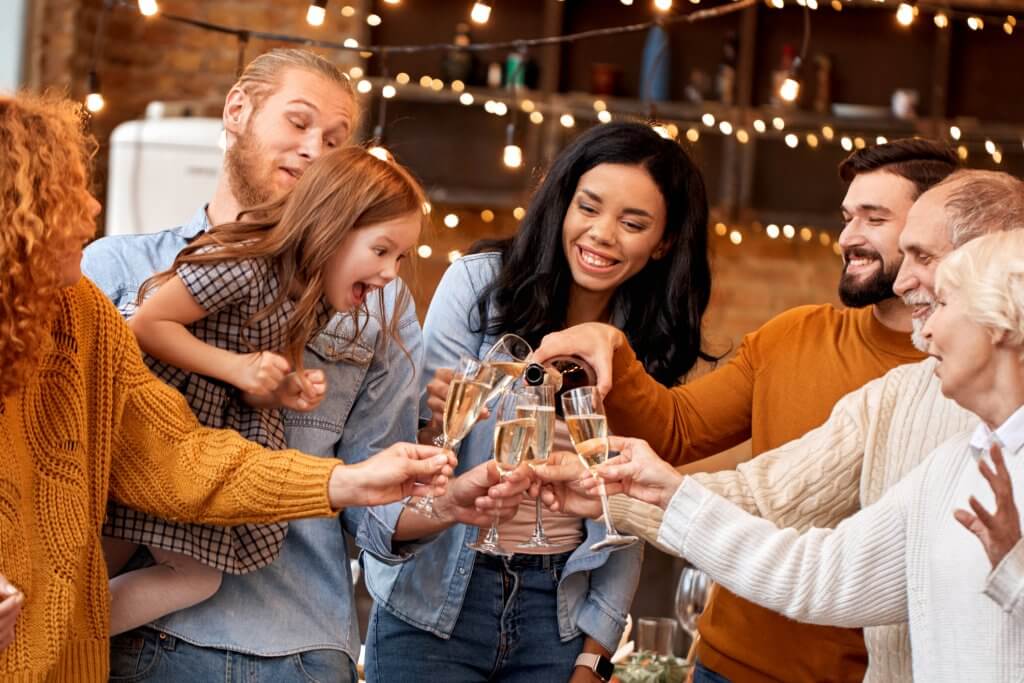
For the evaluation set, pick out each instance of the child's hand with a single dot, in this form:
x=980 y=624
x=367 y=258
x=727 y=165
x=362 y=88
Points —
x=261 y=373
x=302 y=392
x=11 y=602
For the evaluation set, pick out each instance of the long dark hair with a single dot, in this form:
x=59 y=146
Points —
x=662 y=305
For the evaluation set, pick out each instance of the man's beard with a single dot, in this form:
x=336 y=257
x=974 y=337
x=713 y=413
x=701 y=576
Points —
x=876 y=289
x=918 y=298
x=244 y=164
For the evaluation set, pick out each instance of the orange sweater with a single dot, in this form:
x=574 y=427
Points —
x=95 y=423
x=782 y=382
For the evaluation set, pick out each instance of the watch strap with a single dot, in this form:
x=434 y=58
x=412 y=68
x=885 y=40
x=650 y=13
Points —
x=602 y=666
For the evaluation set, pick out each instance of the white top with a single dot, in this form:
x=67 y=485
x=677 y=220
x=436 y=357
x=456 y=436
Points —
x=904 y=558
x=874 y=437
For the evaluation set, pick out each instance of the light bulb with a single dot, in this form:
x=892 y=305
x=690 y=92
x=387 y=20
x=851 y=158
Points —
x=536 y=117
x=736 y=237
x=316 y=13
x=148 y=7
x=905 y=14
x=513 y=156
x=772 y=231
x=725 y=127
x=954 y=132
x=792 y=140
x=424 y=251
x=990 y=147
x=466 y=98
x=975 y=23
x=759 y=126
x=708 y=119
x=604 y=116
x=941 y=20
x=567 y=120
x=481 y=12
x=742 y=136
x=380 y=152
x=663 y=5
x=778 y=123
x=846 y=143
x=373 y=19
x=94 y=102
x=364 y=86
x=388 y=91
x=789 y=231
x=451 y=221
x=790 y=89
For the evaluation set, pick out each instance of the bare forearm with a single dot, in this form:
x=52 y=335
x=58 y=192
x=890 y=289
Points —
x=172 y=343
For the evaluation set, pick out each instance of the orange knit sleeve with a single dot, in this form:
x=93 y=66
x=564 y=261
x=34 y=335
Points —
x=690 y=421
x=165 y=463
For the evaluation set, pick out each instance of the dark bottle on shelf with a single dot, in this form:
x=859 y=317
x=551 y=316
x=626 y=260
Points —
x=564 y=373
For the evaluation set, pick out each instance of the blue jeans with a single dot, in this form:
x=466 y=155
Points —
x=702 y=674
x=149 y=655
x=507 y=631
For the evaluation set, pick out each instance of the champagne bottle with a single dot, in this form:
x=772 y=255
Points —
x=564 y=373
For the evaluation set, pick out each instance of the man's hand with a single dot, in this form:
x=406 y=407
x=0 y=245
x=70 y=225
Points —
x=593 y=342
x=402 y=470
x=638 y=472
x=998 y=532
x=479 y=496
x=561 y=489
x=11 y=602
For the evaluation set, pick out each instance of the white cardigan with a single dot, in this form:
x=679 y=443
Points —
x=904 y=558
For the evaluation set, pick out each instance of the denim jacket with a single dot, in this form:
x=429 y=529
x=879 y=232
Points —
x=424 y=583
x=304 y=600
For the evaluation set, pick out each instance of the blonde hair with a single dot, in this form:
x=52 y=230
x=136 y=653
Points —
x=262 y=76
x=988 y=273
x=344 y=190
x=44 y=216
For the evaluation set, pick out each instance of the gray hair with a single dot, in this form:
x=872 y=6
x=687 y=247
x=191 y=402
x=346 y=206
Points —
x=981 y=202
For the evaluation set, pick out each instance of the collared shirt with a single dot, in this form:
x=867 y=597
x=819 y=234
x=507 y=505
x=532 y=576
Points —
x=1009 y=436
x=304 y=600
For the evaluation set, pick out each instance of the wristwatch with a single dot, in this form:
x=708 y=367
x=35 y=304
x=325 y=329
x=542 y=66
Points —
x=602 y=666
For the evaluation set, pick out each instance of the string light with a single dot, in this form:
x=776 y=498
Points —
x=881 y=140
x=148 y=8
x=725 y=127
x=451 y=221
x=906 y=13
x=487 y=216
x=425 y=81
x=527 y=106
x=380 y=152
x=454 y=255
x=500 y=108
x=536 y=118
x=662 y=131
x=392 y=2
x=792 y=141
x=388 y=91
x=424 y=251
x=518 y=213
x=437 y=85
x=693 y=135
x=466 y=98
x=513 y=153
x=567 y=120
x=828 y=133
x=941 y=20
x=997 y=156
x=373 y=19
x=778 y=123
x=742 y=136
x=481 y=12
x=846 y=143
x=789 y=231
x=94 y=100
x=600 y=105
x=356 y=72
x=721 y=229
x=364 y=86
x=806 y=234
x=708 y=119
x=772 y=231
x=736 y=237
x=604 y=116
x=316 y=13
x=663 y=5
x=759 y=126
x=990 y=147
x=351 y=43
x=961 y=152
x=790 y=89
x=859 y=143
x=458 y=86
x=954 y=132
x=975 y=23
x=402 y=78
x=348 y=11
x=812 y=140
x=627 y=3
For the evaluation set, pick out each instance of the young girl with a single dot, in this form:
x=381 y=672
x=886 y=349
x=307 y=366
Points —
x=227 y=327
x=617 y=233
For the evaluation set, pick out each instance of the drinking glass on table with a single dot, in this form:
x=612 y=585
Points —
x=543 y=438
x=691 y=596
x=588 y=429
x=508 y=357
x=514 y=427
x=471 y=383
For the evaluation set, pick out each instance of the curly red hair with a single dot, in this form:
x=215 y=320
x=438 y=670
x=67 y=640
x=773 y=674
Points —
x=45 y=215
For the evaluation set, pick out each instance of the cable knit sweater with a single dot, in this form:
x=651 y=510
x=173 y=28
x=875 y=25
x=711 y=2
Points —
x=874 y=437
x=904 y=558
x=92 y=423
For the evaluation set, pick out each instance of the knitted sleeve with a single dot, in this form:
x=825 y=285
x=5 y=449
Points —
x=1005 y=585
x=853 y=575
x=165 y=463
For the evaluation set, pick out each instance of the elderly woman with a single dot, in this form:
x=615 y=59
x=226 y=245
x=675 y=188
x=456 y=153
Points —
x=908 y=557
x=82 y=419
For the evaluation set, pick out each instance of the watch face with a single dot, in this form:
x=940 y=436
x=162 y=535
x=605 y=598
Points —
x=604 y=669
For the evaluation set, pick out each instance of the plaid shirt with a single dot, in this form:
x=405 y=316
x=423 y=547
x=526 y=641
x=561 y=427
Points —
x=231 y=292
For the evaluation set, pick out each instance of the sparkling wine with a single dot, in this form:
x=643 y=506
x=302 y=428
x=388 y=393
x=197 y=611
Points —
x=505 y=373
x=512 y=440
x=465 y=399
x=544 y=436
x=589 y=434
x=564 y=373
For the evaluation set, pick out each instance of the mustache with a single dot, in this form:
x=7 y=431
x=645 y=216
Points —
x=918 y=297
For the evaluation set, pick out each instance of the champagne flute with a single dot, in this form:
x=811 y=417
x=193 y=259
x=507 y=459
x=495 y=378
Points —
x=470 y=385
x=515 y=424
x=691 y=597
x=588 y=429
x=508 y=356
x=543 y=438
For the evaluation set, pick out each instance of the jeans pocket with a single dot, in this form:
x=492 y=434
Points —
x=133 y=655
x=324 y=666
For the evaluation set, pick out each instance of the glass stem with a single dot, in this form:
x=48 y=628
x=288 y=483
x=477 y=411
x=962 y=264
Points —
x=609 y=529
x=538 y=528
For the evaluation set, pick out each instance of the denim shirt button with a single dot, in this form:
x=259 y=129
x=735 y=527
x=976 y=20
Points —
x=462 y=571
